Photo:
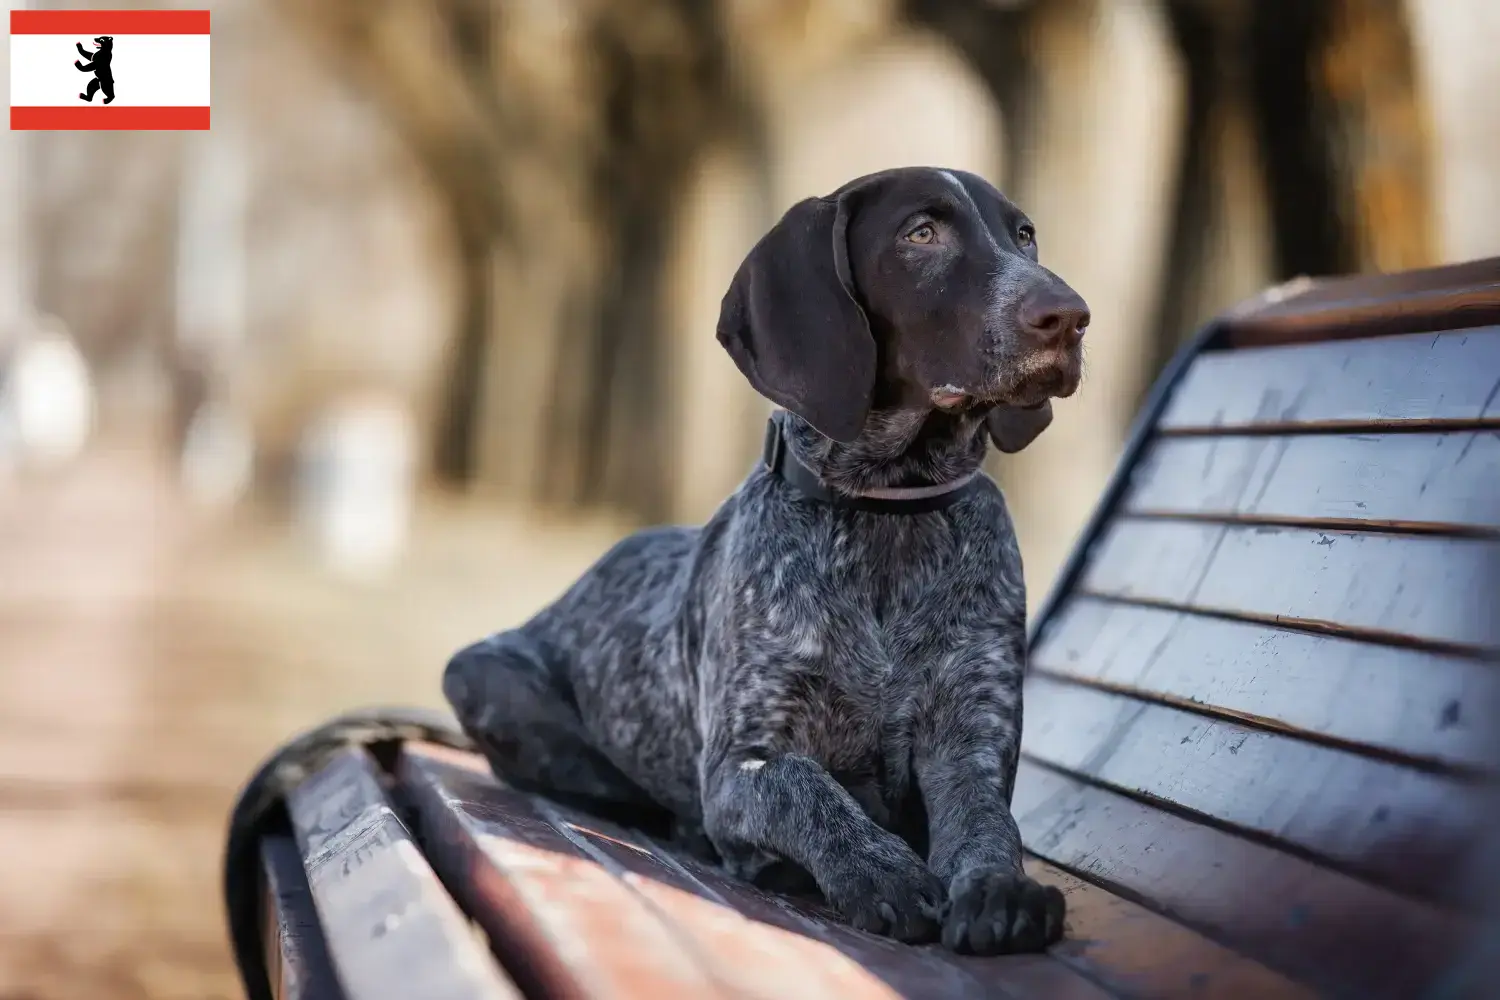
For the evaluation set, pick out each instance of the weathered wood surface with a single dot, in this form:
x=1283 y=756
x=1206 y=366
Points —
x=1393 y=825
x=1265 y=703
x=1429 y=483
x=1420 y=591
x=545 y=873
x=1452 y=297
x=1321 y=688
x=392 y=930
x=574 y=907
x=1328 y=930
x=297 y=962
x=640 y=921
x=1139 y=952
x=1443 y=379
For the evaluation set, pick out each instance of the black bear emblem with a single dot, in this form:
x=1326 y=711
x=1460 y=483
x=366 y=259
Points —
x=104 y=77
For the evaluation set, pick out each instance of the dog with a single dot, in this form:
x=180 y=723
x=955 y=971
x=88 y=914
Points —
x=824 y=680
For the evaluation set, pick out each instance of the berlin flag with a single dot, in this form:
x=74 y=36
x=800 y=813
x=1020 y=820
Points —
x=109 y=69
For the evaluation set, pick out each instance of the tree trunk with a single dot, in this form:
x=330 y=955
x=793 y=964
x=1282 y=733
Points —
x=667 y=95
x=1218 y=250
x=458 y=406
x=1379 y=134
x=560 y=146
x=997 y=42
x=1340 y=155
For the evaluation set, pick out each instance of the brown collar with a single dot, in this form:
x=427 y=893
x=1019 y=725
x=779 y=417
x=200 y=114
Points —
x=784 y=464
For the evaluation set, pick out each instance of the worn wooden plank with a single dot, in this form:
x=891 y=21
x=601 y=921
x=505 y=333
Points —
x=1141 y=953
x=1442 y=482
x=1384 y=381
x=565 y=927
x=593 y=934
x=1399 y=827
x=1337 y=934
x=740 y=931
x=1399 y=588
x=1449 y=297
x=392 y=931
x=913 y=972
x=297 y=964
x=1305 y=294
x=1407 y=703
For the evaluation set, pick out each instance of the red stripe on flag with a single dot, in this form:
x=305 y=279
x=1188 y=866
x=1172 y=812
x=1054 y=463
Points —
x=109 y=22
x=144 y=119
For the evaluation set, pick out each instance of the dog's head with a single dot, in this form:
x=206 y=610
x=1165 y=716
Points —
x=909 y=288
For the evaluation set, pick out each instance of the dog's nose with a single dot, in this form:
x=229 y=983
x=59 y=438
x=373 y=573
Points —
x=1054 y=315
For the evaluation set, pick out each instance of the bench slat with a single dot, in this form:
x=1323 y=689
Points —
x=589 y=932
x=757 y=944
x=1428 y=708
x=392 y=930
x=1440 y=482
x=1325 y=929
x=1399 y=588
x=1401 y=828
x=1392 y=288
x=910 y=972
x=1141 y=953
x=296 y=959
x=1383 y=381
x=634 y=857
x=1449 y=297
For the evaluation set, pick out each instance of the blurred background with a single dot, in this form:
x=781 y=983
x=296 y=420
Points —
x=292 y=408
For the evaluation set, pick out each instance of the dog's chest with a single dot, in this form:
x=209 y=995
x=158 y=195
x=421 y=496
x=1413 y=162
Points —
x=888 y=580
x=886 y=568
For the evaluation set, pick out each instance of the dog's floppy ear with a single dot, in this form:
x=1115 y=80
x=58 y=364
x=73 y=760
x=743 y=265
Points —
x=793 y=325
x=1014 y=427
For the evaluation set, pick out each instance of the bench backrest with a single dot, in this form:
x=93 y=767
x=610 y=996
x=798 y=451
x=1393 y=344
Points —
x=1268 y=676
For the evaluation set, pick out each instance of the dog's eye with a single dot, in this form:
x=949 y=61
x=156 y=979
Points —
x=922 y=234
x=1026 y=236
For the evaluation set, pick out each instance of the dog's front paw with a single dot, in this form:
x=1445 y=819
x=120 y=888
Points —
x=993 y=911
x=891 y=892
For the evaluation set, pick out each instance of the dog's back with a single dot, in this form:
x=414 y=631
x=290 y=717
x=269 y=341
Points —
x=619 y=643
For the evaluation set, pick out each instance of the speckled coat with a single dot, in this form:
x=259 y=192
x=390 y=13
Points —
x=801 y=688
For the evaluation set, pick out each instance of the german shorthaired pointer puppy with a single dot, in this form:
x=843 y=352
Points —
x=825 y=679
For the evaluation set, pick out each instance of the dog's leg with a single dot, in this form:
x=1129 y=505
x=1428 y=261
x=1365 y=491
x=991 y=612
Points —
x=789 y=807
x=519 y=711
x=965 y=758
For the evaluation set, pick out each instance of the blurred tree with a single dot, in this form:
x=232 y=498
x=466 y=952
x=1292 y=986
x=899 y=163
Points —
x=561 y=133
x=996 y=38
x=1341 y=140
x=558 y=133
x=668 y=93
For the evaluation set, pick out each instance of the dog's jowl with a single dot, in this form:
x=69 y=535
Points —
x=824 y=681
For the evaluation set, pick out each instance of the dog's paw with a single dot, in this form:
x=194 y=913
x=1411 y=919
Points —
x=889 y=892
x=993 y=911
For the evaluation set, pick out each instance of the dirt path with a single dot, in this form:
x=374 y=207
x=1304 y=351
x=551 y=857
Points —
x=147 y=661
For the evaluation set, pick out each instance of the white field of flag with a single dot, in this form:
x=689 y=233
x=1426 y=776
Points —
x=154 y=73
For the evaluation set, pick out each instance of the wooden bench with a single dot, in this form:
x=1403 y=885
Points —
x=1257 y=744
